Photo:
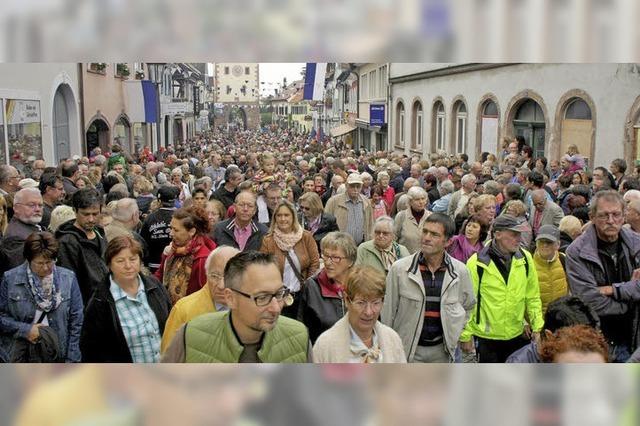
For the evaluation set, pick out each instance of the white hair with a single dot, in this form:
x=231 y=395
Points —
x=23 y=193
x=446 y=187
x=385 y=221
x=125 y=208
x=219 y=251
x=416 y=192
x=631 y=195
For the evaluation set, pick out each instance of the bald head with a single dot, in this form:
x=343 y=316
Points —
x=539 y=199
x=214 y=266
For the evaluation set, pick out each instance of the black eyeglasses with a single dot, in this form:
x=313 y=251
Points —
x=263 y=300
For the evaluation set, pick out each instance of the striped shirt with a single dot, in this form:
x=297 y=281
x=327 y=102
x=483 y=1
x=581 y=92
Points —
x=355 y=221
x=431 y=334
x=139 y=323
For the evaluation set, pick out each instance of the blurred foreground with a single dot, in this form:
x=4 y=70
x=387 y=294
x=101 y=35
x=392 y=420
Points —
x=281 y=395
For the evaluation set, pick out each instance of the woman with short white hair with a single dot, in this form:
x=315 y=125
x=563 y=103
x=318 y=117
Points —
x=408 y=222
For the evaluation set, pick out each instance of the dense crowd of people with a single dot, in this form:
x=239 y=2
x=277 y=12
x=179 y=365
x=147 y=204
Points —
x=269 y=246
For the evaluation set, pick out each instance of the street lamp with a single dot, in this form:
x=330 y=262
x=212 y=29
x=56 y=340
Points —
x=156 y=71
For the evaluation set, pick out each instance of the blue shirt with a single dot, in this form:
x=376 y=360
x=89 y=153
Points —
x=139 y=323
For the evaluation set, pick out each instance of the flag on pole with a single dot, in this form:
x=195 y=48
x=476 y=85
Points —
x=314 y=81
x=141 y=101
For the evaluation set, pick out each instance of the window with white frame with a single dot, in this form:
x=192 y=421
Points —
x=382 y=81
x=417 y=126
x=461 y=127
x=364 y=87
x=400 y=124
x=372 y=84
x=439 y=125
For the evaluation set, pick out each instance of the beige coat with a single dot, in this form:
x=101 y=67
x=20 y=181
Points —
x=408 y=231
x=337 y=206
x=333 y=345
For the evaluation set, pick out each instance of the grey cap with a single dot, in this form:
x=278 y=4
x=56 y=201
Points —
x=548 y=232
x=506 y=222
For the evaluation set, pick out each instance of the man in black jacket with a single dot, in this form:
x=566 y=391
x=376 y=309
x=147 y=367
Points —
x=82 y=242
x=25 y=221
x=241 y=232
x=156 y=230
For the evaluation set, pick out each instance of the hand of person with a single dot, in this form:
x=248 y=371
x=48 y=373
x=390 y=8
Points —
x=535 y=337
x=34 y=333
x=606 y=290
x=527 y=331
x=467 y=347
x=636 y=274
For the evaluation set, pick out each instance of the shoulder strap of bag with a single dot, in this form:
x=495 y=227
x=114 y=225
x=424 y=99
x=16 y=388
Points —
x=41 y=318
x=563 y=261
x=480 y=273
x=295 y=270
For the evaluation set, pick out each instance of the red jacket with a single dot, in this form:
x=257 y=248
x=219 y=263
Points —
x=198 y=273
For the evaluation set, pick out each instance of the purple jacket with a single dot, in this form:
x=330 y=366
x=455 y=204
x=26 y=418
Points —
x=585 y=274
x=461 y=249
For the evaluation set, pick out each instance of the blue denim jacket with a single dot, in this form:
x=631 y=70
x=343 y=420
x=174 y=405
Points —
x=18 y=309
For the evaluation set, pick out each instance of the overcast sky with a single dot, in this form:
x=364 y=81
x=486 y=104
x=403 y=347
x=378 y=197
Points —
x=271 y=75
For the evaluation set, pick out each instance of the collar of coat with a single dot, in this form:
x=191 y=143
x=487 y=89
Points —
x=448 y=264
x=587 y=243
x=232 y=224
x=485 y=259
x=328 y=287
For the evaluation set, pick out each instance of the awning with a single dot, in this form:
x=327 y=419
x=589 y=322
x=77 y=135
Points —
x=343 y=129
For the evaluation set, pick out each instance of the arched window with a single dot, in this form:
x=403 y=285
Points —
x=529 y=123
x=490 y=109
x=438 y=124
x=577 y=109
x=417 y=126
x=61 y=134
x=400 y=125
x=489 y=127
x=460 y=127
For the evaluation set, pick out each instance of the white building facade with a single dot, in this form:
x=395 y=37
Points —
x=40 y=114
x=470 y=107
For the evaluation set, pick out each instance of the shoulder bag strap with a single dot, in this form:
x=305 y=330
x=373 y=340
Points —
x=295 y=270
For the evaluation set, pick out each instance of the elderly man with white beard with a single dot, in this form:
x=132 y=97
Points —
x=27 y=214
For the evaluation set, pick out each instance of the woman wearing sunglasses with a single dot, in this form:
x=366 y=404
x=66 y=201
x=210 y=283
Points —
x=321 y=298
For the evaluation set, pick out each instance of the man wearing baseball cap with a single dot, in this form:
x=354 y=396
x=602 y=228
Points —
x=550 y=265
x=505 y=283
x=352 y=210
x=155 y=228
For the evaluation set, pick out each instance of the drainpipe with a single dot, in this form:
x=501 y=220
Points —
x=83 y=133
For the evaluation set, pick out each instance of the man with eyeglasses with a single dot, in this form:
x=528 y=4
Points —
x=603 y=269
x=352 y=210
x=543 y=211
x=25 y=221
x=429 y=296
x=210 y=298
x=252 y=331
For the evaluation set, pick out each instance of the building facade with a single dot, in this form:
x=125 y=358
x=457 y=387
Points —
x=372 y=117
x=470 y=107
x=237 y=95
x=40 y=112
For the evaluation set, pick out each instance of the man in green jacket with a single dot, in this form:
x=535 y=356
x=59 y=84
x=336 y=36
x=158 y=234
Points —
x=506 y=286
x=252 y=331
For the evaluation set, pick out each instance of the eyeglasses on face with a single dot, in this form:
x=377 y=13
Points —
x=605 y=216
x=361 y=305
x=262 y=300
x=32 y=206
x=334 y=259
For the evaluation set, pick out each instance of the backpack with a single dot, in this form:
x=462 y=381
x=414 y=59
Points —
x=481 y=272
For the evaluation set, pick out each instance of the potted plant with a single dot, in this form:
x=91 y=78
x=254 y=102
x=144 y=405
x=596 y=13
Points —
x=139 y=75
x=122 y=70
x=98 y=66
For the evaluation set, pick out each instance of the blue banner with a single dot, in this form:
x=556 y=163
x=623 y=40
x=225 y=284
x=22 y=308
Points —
x=376 y=115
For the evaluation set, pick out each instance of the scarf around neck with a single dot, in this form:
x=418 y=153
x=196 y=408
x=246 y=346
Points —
x=44 y=290
x=286 y=242
x=178 y=265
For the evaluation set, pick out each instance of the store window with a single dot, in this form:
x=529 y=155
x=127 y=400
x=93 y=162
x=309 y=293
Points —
x=24 y=130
